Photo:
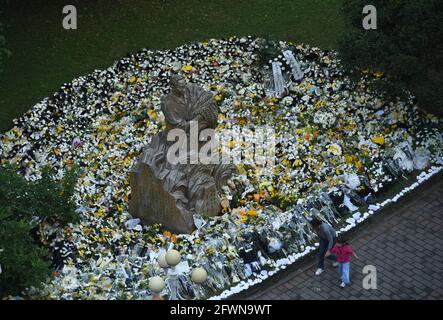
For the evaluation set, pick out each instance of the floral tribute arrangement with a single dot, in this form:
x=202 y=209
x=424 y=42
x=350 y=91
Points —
x=339 y=148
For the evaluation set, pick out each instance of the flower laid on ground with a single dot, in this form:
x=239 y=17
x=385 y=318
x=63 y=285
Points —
x=338 y=146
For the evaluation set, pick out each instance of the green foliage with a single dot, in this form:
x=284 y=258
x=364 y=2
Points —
x=269 y=50
x=23 y=204
x=23 y=262
x=407 y=46
x=4 y=53
x=47 y=198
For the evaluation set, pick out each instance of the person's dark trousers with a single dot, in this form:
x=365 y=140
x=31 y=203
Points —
x=323 y=247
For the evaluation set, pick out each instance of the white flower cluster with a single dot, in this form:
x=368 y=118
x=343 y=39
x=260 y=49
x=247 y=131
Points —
x=324 y=119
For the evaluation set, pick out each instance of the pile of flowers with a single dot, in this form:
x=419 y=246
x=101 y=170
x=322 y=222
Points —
x=339 y=147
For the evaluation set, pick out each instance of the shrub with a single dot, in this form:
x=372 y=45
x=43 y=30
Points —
x=23 y=262
x=47 y=198
x=407 y=46
x=23 y=204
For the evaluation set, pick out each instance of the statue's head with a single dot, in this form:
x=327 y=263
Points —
x=178 y=84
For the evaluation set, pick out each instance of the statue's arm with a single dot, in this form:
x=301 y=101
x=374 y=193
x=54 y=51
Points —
x=208 y=116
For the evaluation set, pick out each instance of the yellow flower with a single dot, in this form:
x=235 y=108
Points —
x=349 y=159
x=127 y=161
x=334 y=149
x=132 y=79
x=104 y=128
x=86 y=231
x=152 y=114
x=378 y=74
x=242 y=121
x=187 y=68
x=252 y=213
x=167 y=234
x=378 y=139
x=58 y=130
x=285 y=162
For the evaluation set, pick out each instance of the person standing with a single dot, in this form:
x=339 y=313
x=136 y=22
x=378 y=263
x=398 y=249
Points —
x=327 y=237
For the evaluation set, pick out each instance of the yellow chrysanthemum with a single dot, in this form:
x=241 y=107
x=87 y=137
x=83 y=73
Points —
x=378 y=139
x=187 y=68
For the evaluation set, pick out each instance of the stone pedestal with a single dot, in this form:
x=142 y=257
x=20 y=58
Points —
x=171 y=192
x=152 y=204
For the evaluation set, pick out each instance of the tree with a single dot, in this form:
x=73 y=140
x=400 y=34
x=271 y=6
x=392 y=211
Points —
x=407 y=47
x=23 y=204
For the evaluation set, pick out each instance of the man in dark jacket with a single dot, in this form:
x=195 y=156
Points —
x=327 y=237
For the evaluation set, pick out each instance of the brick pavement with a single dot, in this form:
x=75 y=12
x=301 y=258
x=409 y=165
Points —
x=404 y=243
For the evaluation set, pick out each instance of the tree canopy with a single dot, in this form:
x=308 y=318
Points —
x=407 y=47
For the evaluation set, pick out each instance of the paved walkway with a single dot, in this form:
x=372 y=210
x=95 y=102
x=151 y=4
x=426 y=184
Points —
x=404 y=243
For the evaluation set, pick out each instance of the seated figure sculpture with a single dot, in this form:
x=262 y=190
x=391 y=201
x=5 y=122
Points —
x=171 y=193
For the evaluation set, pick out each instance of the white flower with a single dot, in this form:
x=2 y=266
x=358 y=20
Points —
x=335 y=149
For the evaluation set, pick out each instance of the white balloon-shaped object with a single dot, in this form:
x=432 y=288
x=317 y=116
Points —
x=156 y=284
x=173 y=257
x=199 y=275
x=162 y=260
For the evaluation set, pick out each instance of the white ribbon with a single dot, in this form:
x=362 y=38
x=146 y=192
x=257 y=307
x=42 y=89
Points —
x=295 y=66
x=279 y=84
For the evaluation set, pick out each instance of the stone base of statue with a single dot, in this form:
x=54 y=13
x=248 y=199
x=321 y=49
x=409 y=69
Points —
x=152 y=204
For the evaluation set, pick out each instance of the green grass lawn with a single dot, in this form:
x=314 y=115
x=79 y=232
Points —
x=44 y=55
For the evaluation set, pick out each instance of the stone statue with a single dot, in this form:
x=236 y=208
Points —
x=170 y=194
